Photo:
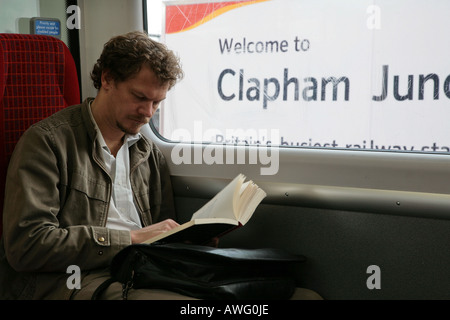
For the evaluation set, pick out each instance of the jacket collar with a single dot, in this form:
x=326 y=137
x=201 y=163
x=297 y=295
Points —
x=87 y=119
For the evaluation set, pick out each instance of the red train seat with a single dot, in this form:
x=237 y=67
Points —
x=37 y=78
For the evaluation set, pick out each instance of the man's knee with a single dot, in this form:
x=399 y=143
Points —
x=305 y=294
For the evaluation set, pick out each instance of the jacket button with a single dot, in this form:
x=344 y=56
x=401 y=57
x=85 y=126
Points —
x=101 y=239
x=100 y=253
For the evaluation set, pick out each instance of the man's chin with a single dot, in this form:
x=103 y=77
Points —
x=134 y=131
x=131 y=130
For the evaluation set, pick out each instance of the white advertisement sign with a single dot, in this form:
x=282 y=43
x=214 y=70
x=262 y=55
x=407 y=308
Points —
x=358 y=74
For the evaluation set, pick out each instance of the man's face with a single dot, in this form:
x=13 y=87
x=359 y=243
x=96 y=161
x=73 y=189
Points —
x=133 y=102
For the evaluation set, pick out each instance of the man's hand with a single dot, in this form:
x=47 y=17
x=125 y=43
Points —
x=139 y=236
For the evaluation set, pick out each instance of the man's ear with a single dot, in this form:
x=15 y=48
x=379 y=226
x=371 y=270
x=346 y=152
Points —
x=107 y=80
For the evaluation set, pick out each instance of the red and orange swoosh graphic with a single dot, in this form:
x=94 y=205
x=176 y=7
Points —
x=181 y=18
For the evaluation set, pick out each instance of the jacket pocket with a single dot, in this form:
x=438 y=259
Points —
x=92 y=188
x=143 y=198
x=87 y=200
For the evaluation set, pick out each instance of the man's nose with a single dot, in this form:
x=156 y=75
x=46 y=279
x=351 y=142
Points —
x=148 y=109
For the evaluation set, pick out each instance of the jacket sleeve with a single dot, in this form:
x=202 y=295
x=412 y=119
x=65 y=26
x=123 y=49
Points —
x=167 y=210
x=34 y=239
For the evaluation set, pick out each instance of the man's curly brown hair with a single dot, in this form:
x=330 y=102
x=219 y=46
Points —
x=123 y=57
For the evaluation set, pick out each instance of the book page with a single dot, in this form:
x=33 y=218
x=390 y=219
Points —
x=249 y=198
x=223 y=204
x=249 y=202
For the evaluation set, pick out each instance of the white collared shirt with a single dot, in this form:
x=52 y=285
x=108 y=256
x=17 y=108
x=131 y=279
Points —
x=122 y=214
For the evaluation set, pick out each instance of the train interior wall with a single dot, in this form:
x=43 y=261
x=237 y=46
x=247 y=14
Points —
x=341 y=246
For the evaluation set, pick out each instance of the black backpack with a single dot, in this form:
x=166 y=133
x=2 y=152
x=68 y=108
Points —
x=205 y=272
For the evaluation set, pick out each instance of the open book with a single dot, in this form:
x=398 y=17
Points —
x=232 y=207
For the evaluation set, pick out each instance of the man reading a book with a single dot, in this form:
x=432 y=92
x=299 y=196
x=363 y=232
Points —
x=85 y=183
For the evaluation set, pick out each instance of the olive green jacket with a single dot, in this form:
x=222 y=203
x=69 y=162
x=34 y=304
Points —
x=56 y=204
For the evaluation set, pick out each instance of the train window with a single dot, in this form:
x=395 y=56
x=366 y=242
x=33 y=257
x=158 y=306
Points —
x=366 y=75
